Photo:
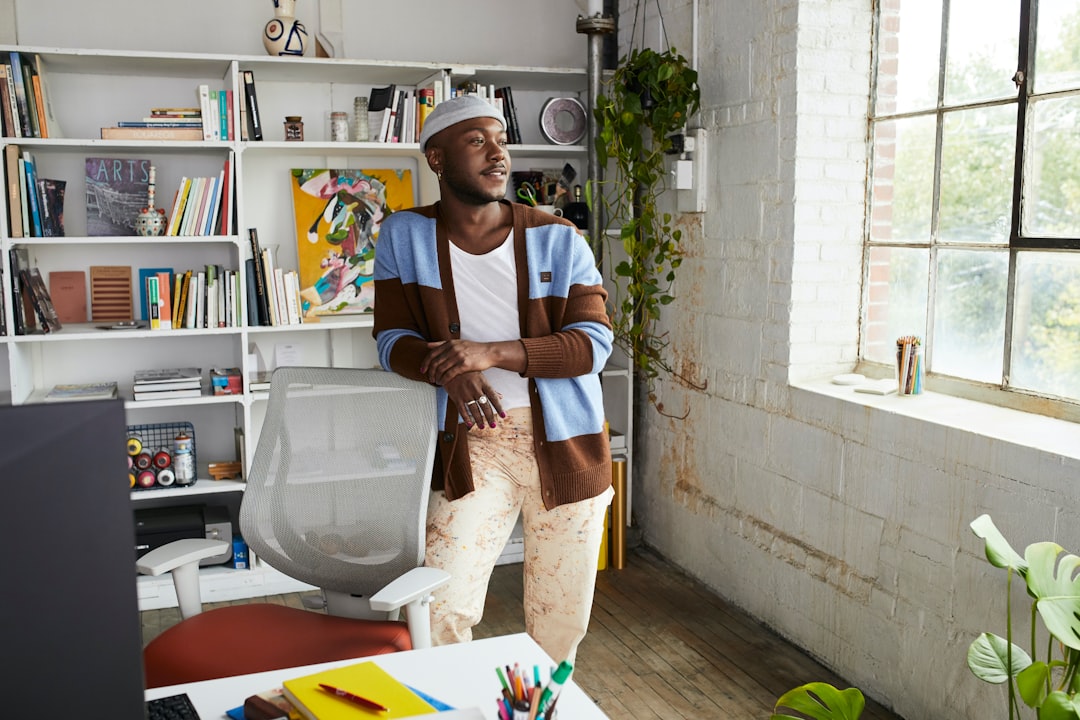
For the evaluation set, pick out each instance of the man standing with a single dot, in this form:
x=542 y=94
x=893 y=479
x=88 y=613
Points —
x=502 y=308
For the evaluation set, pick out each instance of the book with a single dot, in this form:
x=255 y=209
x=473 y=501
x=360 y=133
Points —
x=116 y=190
x=110 y=293
x=82 y=391
x=261 y=294
x=20 y=93
x=161 y=122
x=364 y=678
x=52 y=194
x=202 y=94
x=21 y=305
x=151 y=133
x=152 y=307
x=256 y=129
x=32 y=200
x=164 y=296
x=42 y=301
x=49 y=113
x=39 y=105
x=336 y=256
x=144 y=302
x=12 y=155
x=5 y=103
x=378 y=111
x=68 y=291
x=158 y=379
x=167 y=394
x=177 y=211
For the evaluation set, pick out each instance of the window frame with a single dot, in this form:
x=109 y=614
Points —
x=1024 y=80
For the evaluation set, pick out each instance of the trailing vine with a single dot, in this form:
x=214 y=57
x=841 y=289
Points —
x=649 y=97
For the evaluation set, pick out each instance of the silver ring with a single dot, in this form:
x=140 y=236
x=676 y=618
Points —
x=471 y=402
x=482 y=399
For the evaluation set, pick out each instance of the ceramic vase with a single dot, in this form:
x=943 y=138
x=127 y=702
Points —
x=284 y=34
x=150 y=221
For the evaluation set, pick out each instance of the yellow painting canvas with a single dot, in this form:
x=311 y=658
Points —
x=338 y=214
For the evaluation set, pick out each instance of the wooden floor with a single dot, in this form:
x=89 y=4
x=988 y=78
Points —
x=660 y=646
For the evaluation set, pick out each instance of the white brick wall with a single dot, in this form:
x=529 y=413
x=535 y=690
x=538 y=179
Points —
x=843 y=525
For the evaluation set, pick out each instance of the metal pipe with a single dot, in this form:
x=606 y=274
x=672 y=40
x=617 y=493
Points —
x=595 y=27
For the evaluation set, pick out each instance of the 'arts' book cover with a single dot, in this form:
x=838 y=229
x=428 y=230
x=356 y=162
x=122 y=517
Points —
x=116 y=190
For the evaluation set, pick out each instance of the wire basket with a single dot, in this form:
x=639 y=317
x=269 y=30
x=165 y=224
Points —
x=153 y=460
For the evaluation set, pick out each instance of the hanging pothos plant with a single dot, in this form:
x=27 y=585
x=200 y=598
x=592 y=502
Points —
x=649 y=97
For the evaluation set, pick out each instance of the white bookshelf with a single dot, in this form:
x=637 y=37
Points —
x=91 y=89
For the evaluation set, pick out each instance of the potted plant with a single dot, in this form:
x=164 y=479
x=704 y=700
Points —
x=1049 y=685
x=649 y=98
x=820 y=701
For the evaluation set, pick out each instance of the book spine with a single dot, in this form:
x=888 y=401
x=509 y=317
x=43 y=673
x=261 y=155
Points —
x=260 y=281
x=5 y=103
x=12 y=154
x=253 y=106
x=20 y=94
x=178 y=284
x=39 y=103
x=151 y=133
x=32 y=195
x=13 y=103
x=164 y=283
x=39 y=310
x=223 y=115
x=152 y=308
x=206 y=113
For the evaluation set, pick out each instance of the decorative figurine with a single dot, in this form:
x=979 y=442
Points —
x=151 y=220
x=284 y=34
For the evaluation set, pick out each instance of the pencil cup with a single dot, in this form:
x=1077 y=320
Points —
x=910 y=368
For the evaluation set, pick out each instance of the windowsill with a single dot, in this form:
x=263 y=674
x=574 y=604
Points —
x=1051 y=435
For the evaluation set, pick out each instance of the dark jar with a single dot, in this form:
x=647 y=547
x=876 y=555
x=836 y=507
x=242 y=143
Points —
x=294 y=127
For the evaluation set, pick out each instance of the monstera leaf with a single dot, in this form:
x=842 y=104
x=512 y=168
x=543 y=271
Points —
x=820 y=701
x=988 y=658
x=1056 y=589
x=998 y=550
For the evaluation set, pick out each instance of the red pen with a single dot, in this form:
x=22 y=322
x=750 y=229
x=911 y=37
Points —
x=362 y=701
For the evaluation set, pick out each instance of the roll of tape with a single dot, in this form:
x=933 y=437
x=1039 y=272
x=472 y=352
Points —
x=166 y=477
x=143 y=461
x=146 y=478
x=562 y=121
x=162 y=459
x=131 y=479
x=134 y=445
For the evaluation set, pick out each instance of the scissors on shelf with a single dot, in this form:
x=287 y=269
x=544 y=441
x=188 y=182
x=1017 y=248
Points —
x=527 y=193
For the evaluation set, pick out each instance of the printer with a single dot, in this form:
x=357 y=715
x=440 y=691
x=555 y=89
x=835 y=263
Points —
x=159 y=526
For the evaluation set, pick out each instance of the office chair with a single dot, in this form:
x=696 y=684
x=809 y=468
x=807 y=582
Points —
x=337 y=498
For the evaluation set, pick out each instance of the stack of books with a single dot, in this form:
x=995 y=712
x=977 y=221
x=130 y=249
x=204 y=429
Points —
x=168 y=383
x=163 y=123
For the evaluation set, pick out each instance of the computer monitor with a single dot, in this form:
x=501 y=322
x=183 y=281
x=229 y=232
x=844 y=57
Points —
x=69 y=617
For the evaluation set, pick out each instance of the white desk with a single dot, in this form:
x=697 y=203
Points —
x=461 y=675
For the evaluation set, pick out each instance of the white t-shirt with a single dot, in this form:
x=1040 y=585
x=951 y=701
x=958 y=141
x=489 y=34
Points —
x=486 y=288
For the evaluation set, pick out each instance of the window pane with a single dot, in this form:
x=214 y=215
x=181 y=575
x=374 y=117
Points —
x=896 y=299
x=903 y=192
x=976 y=174
x=982 y=50
x=969 y=314
x=1051 y=205
x=1046 y=326
x=1056 y=64
x=908 y=51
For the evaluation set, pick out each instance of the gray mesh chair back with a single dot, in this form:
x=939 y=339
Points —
x=338 y=489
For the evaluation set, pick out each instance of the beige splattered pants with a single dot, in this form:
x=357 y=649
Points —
x=562 y=545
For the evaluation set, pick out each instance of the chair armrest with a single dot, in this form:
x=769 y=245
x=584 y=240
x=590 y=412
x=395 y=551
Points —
x=179 y=552
x=414 y=585
x=181 y=558
x=413 y=592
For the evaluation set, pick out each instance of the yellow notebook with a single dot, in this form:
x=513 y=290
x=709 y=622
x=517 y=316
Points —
x=365 y=679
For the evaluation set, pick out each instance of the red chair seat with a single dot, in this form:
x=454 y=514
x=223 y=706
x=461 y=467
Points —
x=256 y=637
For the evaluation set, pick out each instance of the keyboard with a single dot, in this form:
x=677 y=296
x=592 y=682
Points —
x=173 y=707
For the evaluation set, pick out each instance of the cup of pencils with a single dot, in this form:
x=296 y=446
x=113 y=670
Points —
x=526 y=697
x=910 y=367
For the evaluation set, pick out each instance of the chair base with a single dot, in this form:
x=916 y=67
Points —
x=257 y=637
